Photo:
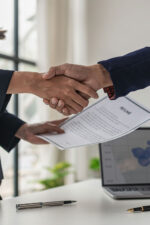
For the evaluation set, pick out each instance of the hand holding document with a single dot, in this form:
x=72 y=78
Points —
x=101 y=122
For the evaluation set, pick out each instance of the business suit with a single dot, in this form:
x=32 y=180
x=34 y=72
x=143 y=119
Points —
x=9 y=123
x=129 y=72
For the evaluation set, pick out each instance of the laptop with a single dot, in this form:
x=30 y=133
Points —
x=125 y=165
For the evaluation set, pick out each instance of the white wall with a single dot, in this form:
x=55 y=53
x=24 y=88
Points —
x=116 y=27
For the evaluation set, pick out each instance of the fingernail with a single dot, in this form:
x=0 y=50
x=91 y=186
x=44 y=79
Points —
x=59 y=104
x=64 y=111
x=46 y=102
x=53 y=101
x=45 y=75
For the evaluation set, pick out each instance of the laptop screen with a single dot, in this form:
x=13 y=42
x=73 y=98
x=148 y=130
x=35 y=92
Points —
x=126 y=160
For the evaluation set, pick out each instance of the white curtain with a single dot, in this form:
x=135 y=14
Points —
x=62 y=32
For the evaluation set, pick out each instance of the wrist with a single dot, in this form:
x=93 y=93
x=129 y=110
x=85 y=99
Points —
x=102 y=76
x=35 y=83
x=107 y=81
x=22 y=132
x=40 y=86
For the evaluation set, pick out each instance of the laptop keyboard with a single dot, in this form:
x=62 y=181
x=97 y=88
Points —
x=130 y=188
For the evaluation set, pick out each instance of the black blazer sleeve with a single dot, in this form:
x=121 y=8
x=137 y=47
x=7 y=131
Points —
x=9 y=124
x=129 y=72
x=5 y=77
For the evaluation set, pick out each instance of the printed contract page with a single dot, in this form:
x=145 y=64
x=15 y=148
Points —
x=101 y=122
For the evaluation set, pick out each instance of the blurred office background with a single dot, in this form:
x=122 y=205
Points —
x=52 y=32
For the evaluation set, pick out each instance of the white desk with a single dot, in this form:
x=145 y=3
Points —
x=94 y=207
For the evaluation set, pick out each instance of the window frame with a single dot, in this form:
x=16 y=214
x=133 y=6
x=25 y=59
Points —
x=16 y=60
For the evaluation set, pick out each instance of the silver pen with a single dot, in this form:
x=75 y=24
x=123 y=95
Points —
x=42 y=204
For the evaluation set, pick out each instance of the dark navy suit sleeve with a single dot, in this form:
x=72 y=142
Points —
x=129 y=72
x=5 y=77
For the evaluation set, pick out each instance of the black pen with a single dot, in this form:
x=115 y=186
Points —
x=140 y=209
x=42 y=204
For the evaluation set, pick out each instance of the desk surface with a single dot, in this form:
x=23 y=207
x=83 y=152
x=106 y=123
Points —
x=94 y=207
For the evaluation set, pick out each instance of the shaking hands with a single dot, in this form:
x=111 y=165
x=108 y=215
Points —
x=94 y=77
x=65 y=88
x=61 y=87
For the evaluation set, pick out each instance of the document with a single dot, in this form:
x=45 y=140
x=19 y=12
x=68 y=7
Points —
x=101 y=122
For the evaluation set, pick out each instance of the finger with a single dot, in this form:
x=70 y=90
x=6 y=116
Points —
x=85 y=89
x=78 y=99
x=52 y=128
x=51 y=105
x=64 y=111
x=46 y=101
x=60 y=105
x=74 y=105
x=53 y=71
x=53 y=102
x=50 y=74
x=46 y=128
x=67 y=110
x=71 y=111
x=59 y=110
x=58 y=122
x=38 y=141
x=83 y=95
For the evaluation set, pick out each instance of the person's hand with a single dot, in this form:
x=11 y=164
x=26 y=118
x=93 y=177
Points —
x=66 y=89
x=95 y=76
x=60 y=87
x=59 y=105
x=28 y=132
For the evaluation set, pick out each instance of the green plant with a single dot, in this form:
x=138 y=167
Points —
x=94 y=164
x=58 y=173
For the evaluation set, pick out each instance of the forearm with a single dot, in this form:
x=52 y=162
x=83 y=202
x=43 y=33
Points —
x=129 y=72
x=107 y=81
x=30 y=82
x=23 y=82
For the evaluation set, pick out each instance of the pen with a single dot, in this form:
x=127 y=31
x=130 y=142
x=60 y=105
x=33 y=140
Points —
x=42 y=204
x=140 y=209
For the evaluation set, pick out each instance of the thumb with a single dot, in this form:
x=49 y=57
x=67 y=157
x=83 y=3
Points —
x=53 y=71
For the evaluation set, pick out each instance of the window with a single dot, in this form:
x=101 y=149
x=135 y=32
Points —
x=18 y=51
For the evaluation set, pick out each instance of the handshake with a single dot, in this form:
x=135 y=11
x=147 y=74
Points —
x=65 y=88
